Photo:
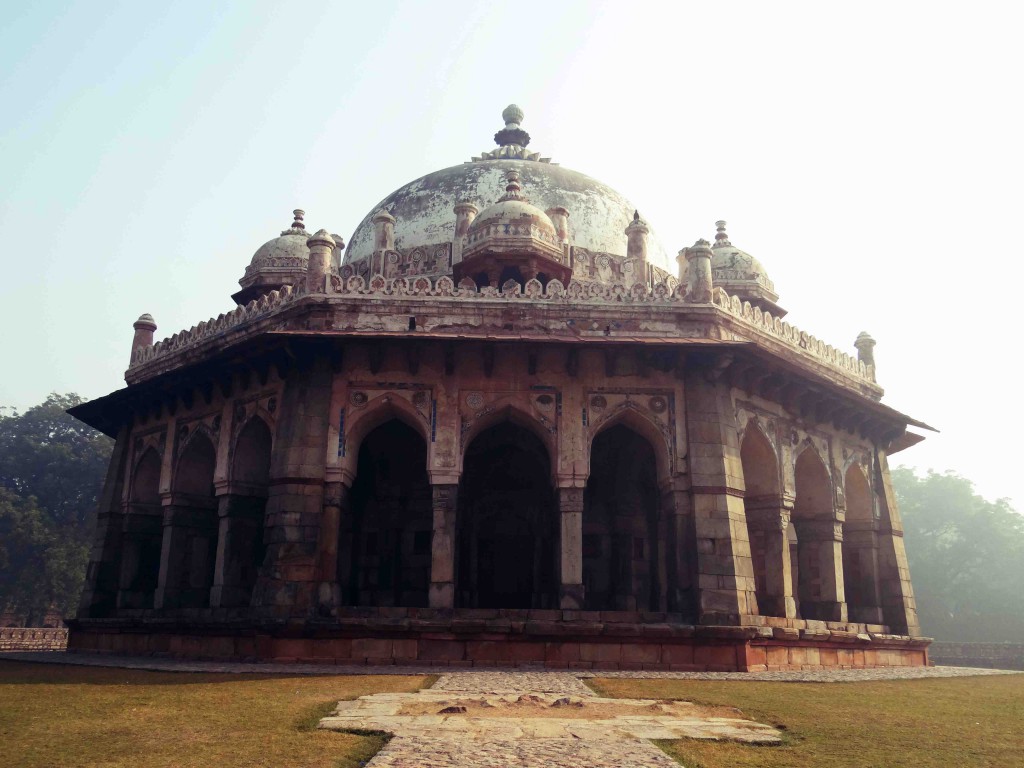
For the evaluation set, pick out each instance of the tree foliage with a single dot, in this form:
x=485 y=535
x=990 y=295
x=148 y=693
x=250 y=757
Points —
x=51 y=473
x=966 y=558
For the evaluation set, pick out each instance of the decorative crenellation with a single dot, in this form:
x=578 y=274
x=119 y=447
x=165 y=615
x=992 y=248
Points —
x=793 y=335
x=576 y=291
x=220 y=324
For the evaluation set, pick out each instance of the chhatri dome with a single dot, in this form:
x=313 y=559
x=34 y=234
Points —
x=589 y=216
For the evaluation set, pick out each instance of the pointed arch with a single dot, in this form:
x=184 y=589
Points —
x=631 y=416
x=377 y=411
x=622 y=549
x=146 y=478
x=195 y=467
x=860 y=550
x=819 y=543
x=140 y=548
x=250 y=459
x=506 y=410
x=384 y=543
x=508 y=529
x=814 y=492
x=767 y=523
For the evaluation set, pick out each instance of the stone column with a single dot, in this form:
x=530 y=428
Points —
x=286 y=585
x=698 y=274
x=337 y=506
x=821 y=566
x=768 y=520
x=725 y=569
x=681 y=552
x=570 y=561
x=239 y=540
x=442 y=547
x=897 y=595
x=99 y=597
x=187 y=553
x=321 y=245
x=860 y=543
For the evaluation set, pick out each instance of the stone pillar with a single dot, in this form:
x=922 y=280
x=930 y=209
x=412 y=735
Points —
x=897 y=595
x=860 y=550
x=698 y=273
x=337 y=506
x=144 y=327
x=286 y=585
x=725 y=570
x=442 y=546
x=187 y=553
x=768 y=520
x=465 y=212
x=821 y=567
x=383 y=231
x=570 y=561
x=239 y=541
x=635 y=265
x=102 y=579
x=681 y=552
x=321 y=245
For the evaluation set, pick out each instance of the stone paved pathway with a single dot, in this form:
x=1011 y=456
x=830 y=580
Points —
x=489 y=719
x=617 y=736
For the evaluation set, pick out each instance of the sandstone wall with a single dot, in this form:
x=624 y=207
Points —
x=990 y=655
x=33 y=639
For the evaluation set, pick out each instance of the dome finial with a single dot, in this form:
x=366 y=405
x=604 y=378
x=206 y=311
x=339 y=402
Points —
x=299 y=215
x=513 y=189
x=721 y=238
x=512 y=134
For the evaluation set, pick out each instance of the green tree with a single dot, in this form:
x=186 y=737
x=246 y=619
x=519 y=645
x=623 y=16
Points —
x=966 y=558
x=51 y=475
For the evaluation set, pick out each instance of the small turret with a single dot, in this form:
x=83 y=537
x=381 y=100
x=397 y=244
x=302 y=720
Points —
x=635 y=265
x=698 y=258
x=465 y=212
x=865 y=348
x=383 y=231
x=144 y=327
x=321 y=245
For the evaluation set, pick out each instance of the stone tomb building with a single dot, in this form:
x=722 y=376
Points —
x=501 y=427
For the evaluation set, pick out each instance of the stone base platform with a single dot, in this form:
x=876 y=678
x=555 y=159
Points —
x=575 y=640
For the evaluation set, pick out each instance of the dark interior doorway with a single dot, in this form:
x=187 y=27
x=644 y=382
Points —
x=507 y=528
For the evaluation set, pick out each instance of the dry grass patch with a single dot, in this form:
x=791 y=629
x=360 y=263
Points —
x=88 y=716
x=969 y=721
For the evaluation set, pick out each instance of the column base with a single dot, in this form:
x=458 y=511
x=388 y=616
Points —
x=783 y=607
x=823 y=610
x=442 y=595
x=571 y=597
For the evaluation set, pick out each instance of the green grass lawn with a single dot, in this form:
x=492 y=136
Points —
x=947 y=723
x=54 y=715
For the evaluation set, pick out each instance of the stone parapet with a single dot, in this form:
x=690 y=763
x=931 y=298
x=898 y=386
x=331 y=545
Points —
x=33 y=639
x=666 y=294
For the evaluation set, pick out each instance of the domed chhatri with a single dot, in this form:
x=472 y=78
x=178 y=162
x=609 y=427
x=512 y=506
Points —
x=512 y=240
x=504 y=431
x=425 y=219
x=740 y=274
x=278 y=262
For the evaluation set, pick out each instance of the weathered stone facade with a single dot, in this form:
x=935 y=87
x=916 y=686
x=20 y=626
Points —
x=565 y=456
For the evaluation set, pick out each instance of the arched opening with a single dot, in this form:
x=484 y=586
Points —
x=507 y=523
x=190 y=536
x=860 y=550
x=511 y=272
x=242 y=548
x=820 y=587
x=143 y=529
x=620 y=524
x=766 y=525
x=388 y=560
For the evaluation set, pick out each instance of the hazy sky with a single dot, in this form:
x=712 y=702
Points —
x=869 y=154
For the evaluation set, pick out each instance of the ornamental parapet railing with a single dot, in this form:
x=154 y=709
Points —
x=665 y=293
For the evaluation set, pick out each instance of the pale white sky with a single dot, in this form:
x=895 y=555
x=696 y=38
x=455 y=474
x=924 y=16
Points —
x=869 y=154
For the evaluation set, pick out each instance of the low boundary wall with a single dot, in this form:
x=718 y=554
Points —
x=988 y=655
x=33 y=639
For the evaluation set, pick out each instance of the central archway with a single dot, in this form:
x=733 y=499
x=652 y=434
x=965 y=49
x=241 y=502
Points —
x=507 y=530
